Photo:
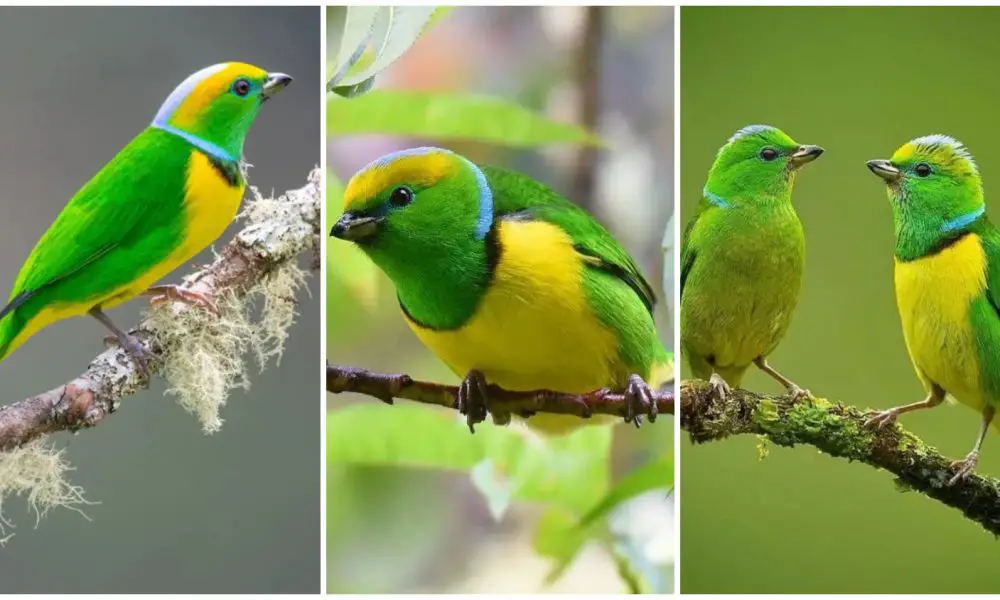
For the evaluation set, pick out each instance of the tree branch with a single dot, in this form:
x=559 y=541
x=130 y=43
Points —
x=838 y=430
x=258 y=250
x=387 y=387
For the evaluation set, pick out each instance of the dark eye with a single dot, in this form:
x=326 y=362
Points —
x=401 y=196
x=923 y=169
x=768 y=153
x=241 y=87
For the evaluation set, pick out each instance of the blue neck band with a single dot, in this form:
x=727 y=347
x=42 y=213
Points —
x=716 y=199
x=205 y=146
x=963 y=221
x=485 y=201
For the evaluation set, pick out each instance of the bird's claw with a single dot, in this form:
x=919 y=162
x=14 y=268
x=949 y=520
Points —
x=139 y=355
x=471 y=399
x=164 y=293
x=798 y=394
x=638 y=401
x=877 y=419
x=720 y=389
x=964 y=466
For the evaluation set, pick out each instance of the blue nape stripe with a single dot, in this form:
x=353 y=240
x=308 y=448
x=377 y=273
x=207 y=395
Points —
x=963 y=221
x=205 y=146
x=716 y=199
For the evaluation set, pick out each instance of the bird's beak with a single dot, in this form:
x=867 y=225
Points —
x=804 y=154
x=274 y=83
x=885 y=170
x=356 y=228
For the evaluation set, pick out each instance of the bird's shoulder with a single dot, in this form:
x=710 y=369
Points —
x=519 y=197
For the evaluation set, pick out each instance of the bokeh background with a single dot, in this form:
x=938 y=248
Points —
x=395 y=530
x=179 y=511
x=860 y=82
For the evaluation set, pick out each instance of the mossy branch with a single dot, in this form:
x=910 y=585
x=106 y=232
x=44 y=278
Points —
x=387 y=387
x=838 y=430
x=278 y=231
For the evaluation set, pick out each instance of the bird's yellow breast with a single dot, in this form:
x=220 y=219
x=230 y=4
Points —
x=534 y=328
x=934 y=295
x=210 y=205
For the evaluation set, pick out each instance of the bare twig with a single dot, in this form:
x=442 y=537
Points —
x=587 y=73
x=387 y=387
x=839 y=430
x=252 y=255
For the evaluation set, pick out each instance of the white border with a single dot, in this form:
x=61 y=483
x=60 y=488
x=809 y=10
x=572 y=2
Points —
x=321 y=92
x=678 y=435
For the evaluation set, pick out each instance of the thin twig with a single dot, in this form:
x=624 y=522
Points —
x=839 y=430
x=387 y=387
x=587 y=72
x=253 y=253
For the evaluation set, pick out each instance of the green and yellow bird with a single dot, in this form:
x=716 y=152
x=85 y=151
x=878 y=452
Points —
x=947 y=276
x=742 y=257
x=165 y=197
x=506 y=282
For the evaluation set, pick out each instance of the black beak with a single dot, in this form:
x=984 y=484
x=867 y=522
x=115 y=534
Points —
x=274 y=83
x=805 y=154
x=356 y=228
x=885 y=170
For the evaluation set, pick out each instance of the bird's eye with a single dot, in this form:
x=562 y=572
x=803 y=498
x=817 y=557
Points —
x=401 y=196
x=923 y=170
x=241 y=87
x=768 y=153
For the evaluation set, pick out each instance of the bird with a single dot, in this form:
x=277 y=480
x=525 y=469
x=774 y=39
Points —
x=947 y=279
x=742 y=259
x=507 y=282
x=168 y=194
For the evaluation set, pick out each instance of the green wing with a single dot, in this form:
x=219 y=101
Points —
x=689 y=247
x=516 y=196
x=123 y=202
x=985 y=313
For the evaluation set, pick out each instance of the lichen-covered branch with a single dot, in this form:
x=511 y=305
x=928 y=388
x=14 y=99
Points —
x=839 y=430
x=387 y=387
x=277 y=232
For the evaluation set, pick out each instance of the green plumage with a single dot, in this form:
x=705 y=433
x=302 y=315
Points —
x=742 y=256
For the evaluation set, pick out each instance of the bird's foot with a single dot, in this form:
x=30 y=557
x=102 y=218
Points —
x=638 y=401
x=877 y=419
x=720 y=389
x=164 y=293
x=964 y=466
x=139 y=355
x=799 y=394
x=472 y=399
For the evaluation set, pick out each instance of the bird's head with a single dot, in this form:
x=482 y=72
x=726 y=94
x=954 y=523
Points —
x=758 y=162
x=218 y=104
x=409 y=206
x=933 y=184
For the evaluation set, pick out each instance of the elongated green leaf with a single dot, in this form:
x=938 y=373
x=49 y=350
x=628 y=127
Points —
x=358 y=24
x=449 y=117
x=653 y=475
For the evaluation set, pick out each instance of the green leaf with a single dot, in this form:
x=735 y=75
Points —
x=494 y=486
x=556 y=537
x=449 y=117
x=658 y=473
x=351 y=38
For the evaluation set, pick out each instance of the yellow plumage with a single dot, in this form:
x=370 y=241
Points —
x=933 y=295
x=534 y=328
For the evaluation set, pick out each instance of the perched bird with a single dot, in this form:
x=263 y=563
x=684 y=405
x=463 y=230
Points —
x=742 y=257
x=162 y=199
x=506 y=281
x=947 y=279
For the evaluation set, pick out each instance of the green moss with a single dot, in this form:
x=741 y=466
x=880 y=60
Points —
x=813 y=423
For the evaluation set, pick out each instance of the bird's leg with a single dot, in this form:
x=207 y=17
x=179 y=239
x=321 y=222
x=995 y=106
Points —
x=162 y=293
x=794 y=391
x=967 y=464
x=719 y=386
x=879 y=419
x=472 y=398
x=638 y=401
x=128 y=343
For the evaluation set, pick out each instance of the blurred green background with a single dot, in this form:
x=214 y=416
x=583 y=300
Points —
x=179 y=511
x=860 y=82
x=411 y=530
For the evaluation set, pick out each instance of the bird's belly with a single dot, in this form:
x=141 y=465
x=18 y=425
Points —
x=534 y=328
x=740 y=307
x=210 y=205
x=934 y=296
